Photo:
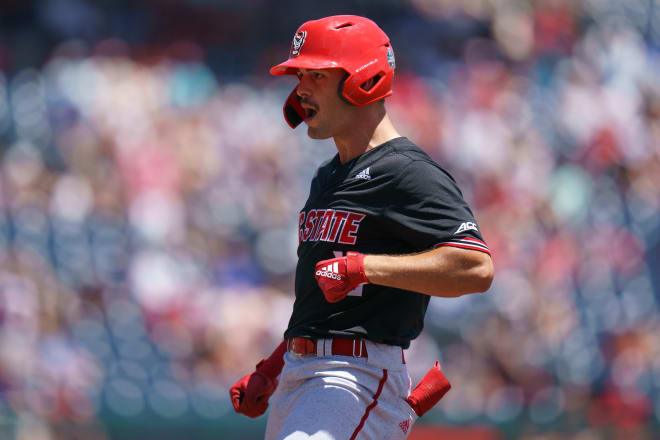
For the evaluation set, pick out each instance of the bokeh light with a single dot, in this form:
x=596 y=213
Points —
x=150 y=189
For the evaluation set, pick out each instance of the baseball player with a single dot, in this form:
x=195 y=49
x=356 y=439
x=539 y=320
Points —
x=383 y=230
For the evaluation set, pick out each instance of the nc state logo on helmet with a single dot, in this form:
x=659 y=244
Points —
x=355 y=44
x=298 y=41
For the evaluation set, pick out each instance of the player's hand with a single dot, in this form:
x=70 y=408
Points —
x=338 y=276
x=250 y=395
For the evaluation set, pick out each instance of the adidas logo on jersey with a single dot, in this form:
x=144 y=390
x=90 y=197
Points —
x=466 y=226
x=364 y=174
x=330 y=271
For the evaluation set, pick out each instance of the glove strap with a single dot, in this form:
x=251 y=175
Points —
x=272 y=367
x=355 y=265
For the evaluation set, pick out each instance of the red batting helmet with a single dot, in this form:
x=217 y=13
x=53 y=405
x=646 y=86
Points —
x=355 y=44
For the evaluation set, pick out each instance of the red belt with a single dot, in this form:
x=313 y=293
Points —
x=340 y=346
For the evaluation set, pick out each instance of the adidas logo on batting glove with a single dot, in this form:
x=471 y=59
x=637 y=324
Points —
x=338 y=276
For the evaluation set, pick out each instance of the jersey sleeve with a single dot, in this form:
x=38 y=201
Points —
x=427 y=210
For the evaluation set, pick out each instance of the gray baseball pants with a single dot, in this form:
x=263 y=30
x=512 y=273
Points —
x=330 y=397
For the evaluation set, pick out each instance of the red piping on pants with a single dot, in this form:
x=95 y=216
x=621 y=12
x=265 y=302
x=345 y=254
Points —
x=371 y=406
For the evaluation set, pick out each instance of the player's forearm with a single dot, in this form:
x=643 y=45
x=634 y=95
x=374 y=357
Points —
x=444 y=272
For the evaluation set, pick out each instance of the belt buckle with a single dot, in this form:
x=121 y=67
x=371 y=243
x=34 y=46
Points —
x=354 y=342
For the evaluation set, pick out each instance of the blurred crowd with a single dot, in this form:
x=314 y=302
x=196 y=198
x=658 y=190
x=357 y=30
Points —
x=148 y=216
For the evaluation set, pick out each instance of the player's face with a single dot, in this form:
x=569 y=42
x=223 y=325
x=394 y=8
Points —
x=327 y=115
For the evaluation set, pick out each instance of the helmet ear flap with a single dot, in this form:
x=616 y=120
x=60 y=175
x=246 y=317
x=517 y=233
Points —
x=294 y=114
x=371 y=84
x=340 y=89
x=346 y=91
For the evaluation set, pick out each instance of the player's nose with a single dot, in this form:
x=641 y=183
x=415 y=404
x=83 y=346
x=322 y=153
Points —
x=304 y=90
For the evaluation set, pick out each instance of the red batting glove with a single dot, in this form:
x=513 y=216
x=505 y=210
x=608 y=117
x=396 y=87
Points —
x=433 y=386
x=338 y=276
x=250 y=395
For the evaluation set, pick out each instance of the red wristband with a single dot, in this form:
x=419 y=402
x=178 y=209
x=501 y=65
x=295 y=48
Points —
x=272 y=366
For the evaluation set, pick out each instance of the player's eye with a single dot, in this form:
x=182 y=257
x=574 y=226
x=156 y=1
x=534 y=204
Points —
x=318 y=75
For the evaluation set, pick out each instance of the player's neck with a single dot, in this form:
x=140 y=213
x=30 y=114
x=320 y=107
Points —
x=374 y=129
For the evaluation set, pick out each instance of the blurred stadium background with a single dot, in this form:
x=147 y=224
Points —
x=149 y=191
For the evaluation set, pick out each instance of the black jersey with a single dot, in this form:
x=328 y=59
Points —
x=393 y=199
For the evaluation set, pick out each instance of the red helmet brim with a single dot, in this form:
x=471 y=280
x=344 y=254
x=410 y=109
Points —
x=303 y=62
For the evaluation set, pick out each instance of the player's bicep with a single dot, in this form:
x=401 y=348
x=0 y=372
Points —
x=472 y=267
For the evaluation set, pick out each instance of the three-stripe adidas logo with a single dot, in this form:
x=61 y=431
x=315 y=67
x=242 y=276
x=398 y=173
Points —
x=330 y=271
x=364 y=174
x=405 y=425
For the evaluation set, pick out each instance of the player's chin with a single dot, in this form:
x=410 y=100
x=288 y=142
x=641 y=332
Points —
x=317 y=133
